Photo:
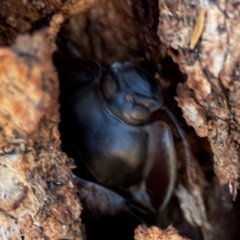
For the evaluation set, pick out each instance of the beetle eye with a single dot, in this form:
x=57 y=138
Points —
x=129 y=97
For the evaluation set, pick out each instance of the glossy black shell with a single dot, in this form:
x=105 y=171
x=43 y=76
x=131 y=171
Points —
x=115 y=154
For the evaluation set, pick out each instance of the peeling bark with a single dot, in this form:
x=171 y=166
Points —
x=209 y=98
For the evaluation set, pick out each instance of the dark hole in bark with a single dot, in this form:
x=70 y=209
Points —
x=122 y=226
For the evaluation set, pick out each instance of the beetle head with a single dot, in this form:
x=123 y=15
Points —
x=131 y=92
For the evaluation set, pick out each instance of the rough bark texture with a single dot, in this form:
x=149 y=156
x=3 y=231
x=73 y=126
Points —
x=37 y=202
x=209 y=98
x=26 y=15
x=38 y=197
x=107 y=32
x=144 y=233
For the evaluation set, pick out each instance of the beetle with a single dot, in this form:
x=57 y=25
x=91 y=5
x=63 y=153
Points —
x=106 y=121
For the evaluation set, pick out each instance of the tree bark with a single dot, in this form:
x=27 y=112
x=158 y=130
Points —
x=39 y=200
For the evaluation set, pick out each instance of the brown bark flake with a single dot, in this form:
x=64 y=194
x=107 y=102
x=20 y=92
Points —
x=154 y=233
x=210 y=97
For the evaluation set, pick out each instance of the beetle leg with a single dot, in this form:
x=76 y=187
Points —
x=186 y=144
x=160 y=170
x=99 y=200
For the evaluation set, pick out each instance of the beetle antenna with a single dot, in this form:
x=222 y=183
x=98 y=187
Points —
x=186 y=144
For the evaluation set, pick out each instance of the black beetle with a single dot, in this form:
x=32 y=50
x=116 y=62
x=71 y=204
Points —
x=106 y=119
